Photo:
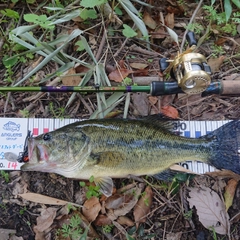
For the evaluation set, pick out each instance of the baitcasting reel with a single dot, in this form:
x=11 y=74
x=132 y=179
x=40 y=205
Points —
x=189 y=69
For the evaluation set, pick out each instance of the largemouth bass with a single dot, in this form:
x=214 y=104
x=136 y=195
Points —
x=117 y=148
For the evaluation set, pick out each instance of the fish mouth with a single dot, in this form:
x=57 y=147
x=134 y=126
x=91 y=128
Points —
x=37 y=152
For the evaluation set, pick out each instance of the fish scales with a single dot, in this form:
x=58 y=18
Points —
x=130 y=143
x=116 y=148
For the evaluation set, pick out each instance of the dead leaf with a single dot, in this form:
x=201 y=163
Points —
x=174 y=236
x=123 y=220
x=81 y=69
x=170 y=111
x=143 y=206
x=215 y=63
x=153 y=100
x=169 y=20
x=39 y=198
x=224 y=174
x=119 y=74
x=113 y=114
x=114 y=201
x=102 y=220
x=138 y=65
x=91 y=208
x=149 y=21
x=5 y=233
x=159 y=33
x=230 y=192
x=220 y=41
x=210 y=209
x=71 y=79
x=141 y=105
x=179 y=168
x=130 y=200
x=46 y=219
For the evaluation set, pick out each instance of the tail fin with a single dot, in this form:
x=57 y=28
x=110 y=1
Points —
x=226 y=147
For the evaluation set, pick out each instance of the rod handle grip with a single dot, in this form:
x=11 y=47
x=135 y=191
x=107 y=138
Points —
x=230 y=87
x=164 y=88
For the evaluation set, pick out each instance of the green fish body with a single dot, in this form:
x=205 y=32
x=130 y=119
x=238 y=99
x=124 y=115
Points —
x=116 y=148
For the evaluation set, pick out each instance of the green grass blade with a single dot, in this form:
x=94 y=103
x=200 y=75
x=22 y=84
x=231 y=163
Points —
x=228 y=9
x=126 y=106
x=112 y=102
x=88 y=49
x=60 y=70
x=22 y=29
x=67 y=17
x=73 y=35
x=130 y=11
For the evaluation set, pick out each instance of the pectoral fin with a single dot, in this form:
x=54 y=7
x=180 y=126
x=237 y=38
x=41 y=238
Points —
x=105 y=184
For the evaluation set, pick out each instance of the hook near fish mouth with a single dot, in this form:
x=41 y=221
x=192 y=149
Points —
x=23 y=156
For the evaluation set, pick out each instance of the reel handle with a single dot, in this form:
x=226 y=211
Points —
x=191 y=39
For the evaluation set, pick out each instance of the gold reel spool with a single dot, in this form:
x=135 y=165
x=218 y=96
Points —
x=192 y=72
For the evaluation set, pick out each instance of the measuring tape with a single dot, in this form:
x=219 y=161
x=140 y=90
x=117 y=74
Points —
x=13 y=132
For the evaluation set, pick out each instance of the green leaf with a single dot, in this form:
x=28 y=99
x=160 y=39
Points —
x=91 y=3
x=42 y=18
x=118 y=11
x=128 y=31
x=237 y=3
x=9 y=62
x=88 y=13
x=132 y=12
x=91 y=179
x=80 y=45
x=228 y=9
x=31 y=17
x=10 y=13
x=82 y=184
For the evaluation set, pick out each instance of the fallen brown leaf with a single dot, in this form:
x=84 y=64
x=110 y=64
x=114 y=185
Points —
x=159 y=33
x=123 y=220
x=141 y=105
x=138 y=65
x=174 y=236
x=153 y=100
x=143 y=206
x=210 y=209
x=39 y=198
x=169 y=20
x=170 y=111
x=102 y=220
x=46 y=219
x=91 y=208
x=230 y=192
x=114 y=201
x=70 y=79
x=215 y=63
x=130 y=200
x=119 y=74
x=149 y=21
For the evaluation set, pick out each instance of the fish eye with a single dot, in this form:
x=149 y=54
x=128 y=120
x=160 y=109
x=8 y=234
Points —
x=46 y=137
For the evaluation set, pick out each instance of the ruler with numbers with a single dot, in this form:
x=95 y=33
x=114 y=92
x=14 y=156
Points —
x=13 y=132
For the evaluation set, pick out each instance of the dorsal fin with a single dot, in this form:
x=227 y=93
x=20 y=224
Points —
x=162 y=121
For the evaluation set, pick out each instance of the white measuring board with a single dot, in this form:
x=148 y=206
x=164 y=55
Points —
x=13 y=132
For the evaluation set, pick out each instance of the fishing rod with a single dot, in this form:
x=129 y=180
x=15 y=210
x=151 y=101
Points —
x=156 y=88
x=190 y=72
